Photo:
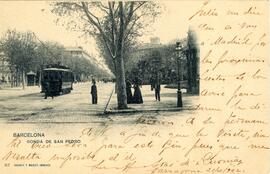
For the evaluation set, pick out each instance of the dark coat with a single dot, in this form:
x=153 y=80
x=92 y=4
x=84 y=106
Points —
x=137 y=97
x=94 y=90
x=157 y=87
x=129 y=93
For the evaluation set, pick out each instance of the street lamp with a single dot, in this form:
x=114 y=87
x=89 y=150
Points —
x=178 y=50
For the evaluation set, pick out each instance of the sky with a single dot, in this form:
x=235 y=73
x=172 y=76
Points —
x=35 y=16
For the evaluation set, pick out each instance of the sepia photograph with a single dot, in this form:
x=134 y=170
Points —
x=94 y=59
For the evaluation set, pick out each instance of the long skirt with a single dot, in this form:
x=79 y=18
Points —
x=129 y=95
x=137 y=98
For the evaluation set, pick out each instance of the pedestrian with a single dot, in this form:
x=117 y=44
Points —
x=128 y=91
x=94 y=92
x=47 y=90
x=137 y=97
x=157 y=91
x=152 y=83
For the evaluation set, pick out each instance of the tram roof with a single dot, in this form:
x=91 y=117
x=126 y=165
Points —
x=57 y=69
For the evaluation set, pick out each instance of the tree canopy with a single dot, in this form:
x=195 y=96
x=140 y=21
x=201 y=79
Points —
x=107 y=21
x=19 y=47
x=114 y=24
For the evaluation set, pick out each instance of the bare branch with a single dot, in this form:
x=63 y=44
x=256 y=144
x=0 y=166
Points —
x=141 y=4
x=103 y=8
x=85 y=8
x=98 y=26
x=130 y=13
x=114 y=28
x=132 y=26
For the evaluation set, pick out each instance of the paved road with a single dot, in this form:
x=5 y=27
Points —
x=29 y=104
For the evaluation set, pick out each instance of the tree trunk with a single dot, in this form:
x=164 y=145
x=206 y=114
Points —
x=17 y=78
x=115 y=91
x=119 y=63
x=23 y=79
x=115 y=88
x=12 y=79
x=121 y=83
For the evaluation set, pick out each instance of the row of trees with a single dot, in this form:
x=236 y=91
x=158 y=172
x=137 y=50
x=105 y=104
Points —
x=161 y=63
x=19 y=50
x=153 y=63
x=24 y=52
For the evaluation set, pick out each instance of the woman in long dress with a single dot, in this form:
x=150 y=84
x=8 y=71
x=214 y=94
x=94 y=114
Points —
x=129 y=93
x=137 y=97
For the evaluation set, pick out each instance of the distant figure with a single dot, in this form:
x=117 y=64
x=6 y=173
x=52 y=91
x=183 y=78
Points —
x=137 y=97
x=152 y=83
x=157 y=91
x=47 y=90
x=94 y=92
x=128 y=91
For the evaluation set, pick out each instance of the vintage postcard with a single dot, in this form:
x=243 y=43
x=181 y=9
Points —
x=134 y=87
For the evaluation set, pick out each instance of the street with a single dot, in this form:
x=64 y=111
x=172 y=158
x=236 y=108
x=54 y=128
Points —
x=29 y=105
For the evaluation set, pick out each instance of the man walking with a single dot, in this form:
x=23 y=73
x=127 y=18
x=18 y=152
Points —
x=94 y=92
x=157 y=91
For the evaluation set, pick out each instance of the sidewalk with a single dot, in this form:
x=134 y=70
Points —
x=168 y=101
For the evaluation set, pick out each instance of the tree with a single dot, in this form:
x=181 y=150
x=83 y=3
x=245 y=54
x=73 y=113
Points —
x=20 y=48
x=47 y=53
x=113 y=24
x=129 y=45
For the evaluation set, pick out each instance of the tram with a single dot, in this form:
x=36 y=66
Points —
x=58 y=79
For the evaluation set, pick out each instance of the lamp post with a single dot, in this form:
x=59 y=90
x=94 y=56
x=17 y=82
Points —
x=178 y=50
